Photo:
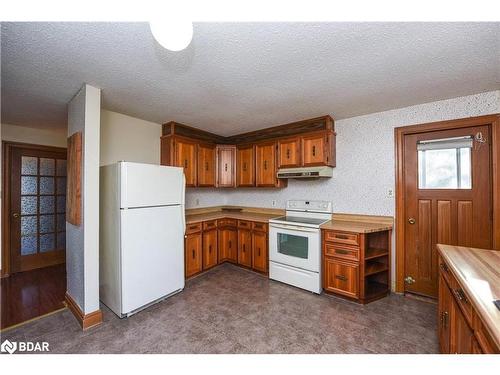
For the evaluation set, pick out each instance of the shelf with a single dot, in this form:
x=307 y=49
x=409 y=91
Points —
x=374 y=289
x=373 y=267
x=375 y=253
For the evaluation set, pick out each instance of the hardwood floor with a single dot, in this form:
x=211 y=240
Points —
x=27 y=295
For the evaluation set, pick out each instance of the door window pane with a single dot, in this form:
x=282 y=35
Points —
x=47 y=167
x=28 y=225
x=445 y=164
x=61 y=222
x=29 y=165
x=296 y=246
x=28 y=245
x=47 y=223
x=61 y=241
x=61 y=203
x=28 y=185
x=61 y=167
x=47 y=242
x=28 y=205
x=47 y=205
x=46 y=185
x=61 y=185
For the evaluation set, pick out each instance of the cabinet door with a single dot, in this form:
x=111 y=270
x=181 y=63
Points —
x=245 y=167
x=206 y=165
x=245 y=247
x=185 y=156
x=259 y=251
x=444 y=316
x=461 y=334
x=265 y=164
x=209 y=249
x=225 y=166
x=341 y=277
x=192 y=258
x=289 y=153
x=228 y=245
x=314 y=150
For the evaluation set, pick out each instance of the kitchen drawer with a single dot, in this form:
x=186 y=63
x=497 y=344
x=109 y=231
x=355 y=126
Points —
x=259 y=227
x=211 y=224
x=346 y=238
x=193 y=228
x=227 y=222
x=462 y=299
x=244 y=224
x=341 y=277
x=483 y=337
x=342 y=252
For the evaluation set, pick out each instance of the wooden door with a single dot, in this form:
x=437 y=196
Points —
x=226 y=156
x=265 y=164
x=314 y=150
x=461 y=335
x=206 y=165
x=289 y=154
x=193 y=254
x=36 y=207
x=259 y=251
x=209 y=249
x=341 y=277
x=245 y=167
x=444 y=316
x=228 y=245
x=447 y=199
x=185 y=156
x=245 y=247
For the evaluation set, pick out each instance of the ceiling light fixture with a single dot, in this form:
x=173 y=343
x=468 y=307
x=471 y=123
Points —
x=174 y=35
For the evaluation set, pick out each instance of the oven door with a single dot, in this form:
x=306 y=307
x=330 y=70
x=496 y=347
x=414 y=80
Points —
x=295 y=246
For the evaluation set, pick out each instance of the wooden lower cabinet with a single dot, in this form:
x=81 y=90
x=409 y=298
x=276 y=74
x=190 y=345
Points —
x=210 y=249
x=461 y=335
x=228 y=245
x=193 y=254
x=341 y=277
x=259 y=251
x=245 y=247
x=444 y=316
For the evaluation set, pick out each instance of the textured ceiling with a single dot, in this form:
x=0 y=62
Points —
x=237 y=77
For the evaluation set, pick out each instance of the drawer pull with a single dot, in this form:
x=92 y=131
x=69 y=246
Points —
x=193 y=227
x=342 y=236
x=243 y=247
x=444 y=267
x=341 y=277
x=229 y=243
x=338 y=251
x=209 y=248
x=459 y=293
x=258 y=251
x=193 y=253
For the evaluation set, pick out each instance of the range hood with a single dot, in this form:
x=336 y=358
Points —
x=306 y=172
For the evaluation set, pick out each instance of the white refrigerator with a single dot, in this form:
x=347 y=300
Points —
x=141 y=240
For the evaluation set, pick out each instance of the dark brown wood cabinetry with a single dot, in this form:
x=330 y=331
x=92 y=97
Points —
x=318 y=149
x=193 y=250
x=244 y=243
x=356 y=265
x=206 y=165
x=265 y=165
x=210 y=246
x=245 y=166
x=226 y=160
x=228 y=240
x=180 y=152
x=289 y=155
x=259 y=247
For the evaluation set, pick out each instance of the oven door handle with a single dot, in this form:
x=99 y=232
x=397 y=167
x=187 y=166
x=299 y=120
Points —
x=293 y=227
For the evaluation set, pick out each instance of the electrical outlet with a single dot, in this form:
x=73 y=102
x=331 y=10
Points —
x=273 y=203
x=390 y=193
x=197 y=202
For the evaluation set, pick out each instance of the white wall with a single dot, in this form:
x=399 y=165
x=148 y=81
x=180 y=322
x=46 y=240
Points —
x=365 y=161
x=23 y=134
x=82 y=242
x=128 y=138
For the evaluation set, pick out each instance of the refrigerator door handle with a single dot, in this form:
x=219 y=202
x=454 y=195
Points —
x=183 y=204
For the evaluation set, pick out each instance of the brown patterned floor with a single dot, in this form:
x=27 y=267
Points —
x=231 y=310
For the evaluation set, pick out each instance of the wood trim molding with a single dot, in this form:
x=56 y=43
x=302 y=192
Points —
x=399 y=133
x=86 y=321
x=7 y=148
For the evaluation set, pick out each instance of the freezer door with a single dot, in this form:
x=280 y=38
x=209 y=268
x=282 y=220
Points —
x=152 y=245
x=147 y=185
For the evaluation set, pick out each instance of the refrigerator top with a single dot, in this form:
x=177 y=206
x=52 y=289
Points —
x=150 y=185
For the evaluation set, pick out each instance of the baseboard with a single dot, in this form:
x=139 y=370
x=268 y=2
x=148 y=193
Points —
x=86 y=320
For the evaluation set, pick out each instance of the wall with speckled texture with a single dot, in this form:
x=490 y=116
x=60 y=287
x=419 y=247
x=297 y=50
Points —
x=365 y=160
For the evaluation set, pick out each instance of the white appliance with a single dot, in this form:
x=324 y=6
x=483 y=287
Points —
x=295 y=244
x=141 y=239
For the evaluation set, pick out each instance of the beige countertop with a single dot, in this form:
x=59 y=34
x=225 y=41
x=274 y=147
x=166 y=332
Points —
x=478 y=272
x=252 y=216
x=356 y=226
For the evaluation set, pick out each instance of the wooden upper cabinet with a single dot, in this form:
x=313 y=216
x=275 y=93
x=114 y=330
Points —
x=185 y=156
x=245 y=166
x=206 y=164
x=226 y=162
x=265 y=164
x=318 y=149
x=289 y=154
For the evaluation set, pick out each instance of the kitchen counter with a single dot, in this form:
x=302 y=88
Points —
x=478 y=273
x=356 y=226
x=251 y=216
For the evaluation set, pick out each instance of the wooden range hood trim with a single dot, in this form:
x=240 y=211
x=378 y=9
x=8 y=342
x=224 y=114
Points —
x=323 y=123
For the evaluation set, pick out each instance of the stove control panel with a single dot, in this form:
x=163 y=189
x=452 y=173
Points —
x=311 y=206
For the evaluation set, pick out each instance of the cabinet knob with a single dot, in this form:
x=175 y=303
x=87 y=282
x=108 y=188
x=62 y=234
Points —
x=225 y=167
x=193 y=253
x=412 y=220
x=265 y=164
x=314 y=150
x=288 y=153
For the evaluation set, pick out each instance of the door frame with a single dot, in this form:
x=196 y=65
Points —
x=7 y=148
x=493 y=121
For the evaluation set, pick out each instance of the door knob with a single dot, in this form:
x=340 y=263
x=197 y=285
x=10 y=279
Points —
x=15 y=215
x=412 y=220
